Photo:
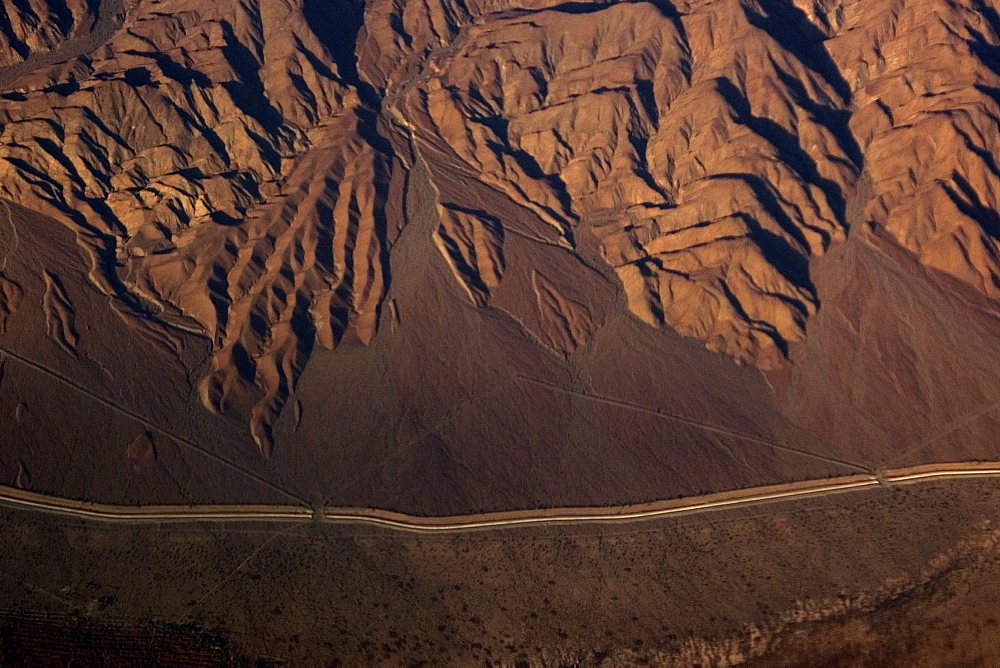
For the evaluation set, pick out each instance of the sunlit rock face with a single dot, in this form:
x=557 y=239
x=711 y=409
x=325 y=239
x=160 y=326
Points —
x=212 y=153
x=707 y=160
x=233 y=168
x=32 y=26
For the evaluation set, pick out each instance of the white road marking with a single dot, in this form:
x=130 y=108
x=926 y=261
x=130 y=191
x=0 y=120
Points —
x=157 y=514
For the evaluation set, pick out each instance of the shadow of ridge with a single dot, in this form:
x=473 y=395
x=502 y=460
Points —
x=499 y=125
x=790 y=27
x=14 y=44
x=983 y=48
x=580 y=7
x=469 y=273
x=337 y=26
x=174 y=70
x=791 y=262
x=769 y=202
x=789 y=150
x=490 y=222
x=247 y=91
x=986 y=217
x=761 y=326
x=482 y=214
x=669 y=11
x=837 y=121
x=102 y=245
x=62 y=14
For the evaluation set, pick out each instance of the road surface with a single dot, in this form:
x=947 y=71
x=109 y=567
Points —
x=25 y=500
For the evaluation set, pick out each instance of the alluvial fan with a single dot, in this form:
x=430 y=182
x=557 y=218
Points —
x=460 y=255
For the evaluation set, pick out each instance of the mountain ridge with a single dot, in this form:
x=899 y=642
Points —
x=360 y=234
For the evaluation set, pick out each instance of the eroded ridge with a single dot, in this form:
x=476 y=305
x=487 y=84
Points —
x=31 y=26
x=927 y=84
x=10 y=299
x=708 y=158
x=227 y=164
x=210 y=156
x=472 y=242
x=713 y=148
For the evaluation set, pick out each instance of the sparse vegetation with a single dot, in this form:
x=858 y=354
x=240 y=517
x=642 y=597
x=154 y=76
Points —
x=545 y=596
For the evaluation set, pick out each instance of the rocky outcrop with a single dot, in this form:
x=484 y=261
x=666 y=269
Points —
x=673 y=138
x=31 y=26
x=212 y=156
x=229 y=166
x=926 y=97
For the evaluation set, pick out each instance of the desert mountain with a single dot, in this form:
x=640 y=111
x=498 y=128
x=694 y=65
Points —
x=458 y=255
x=33 y=26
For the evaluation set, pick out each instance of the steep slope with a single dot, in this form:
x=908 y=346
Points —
x=202 y=154
x=446 y=255
x=32 y=26
x=901 y=356
x=671 y=146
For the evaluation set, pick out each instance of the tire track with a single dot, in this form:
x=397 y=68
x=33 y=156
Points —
x=154 y=427
x=952 y=426
x=700 y=425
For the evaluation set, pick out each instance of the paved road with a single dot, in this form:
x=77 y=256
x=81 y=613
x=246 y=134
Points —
x=16 y=498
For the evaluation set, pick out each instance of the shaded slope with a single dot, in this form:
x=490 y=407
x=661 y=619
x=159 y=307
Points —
x=448 y=256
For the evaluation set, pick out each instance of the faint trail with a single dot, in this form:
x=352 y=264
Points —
x=403 y=450
x=695 y=423
x=954 y=425
x=257 y=550
x=154 y=427
x=8 y=235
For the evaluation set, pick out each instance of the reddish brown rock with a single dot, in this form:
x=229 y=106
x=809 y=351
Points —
x=447 y=255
